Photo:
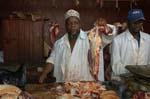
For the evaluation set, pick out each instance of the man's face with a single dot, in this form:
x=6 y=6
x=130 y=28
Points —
x=136 y=26
x=73 y=25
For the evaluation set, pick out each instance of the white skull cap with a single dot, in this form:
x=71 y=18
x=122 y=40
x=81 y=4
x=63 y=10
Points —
x=71 y=13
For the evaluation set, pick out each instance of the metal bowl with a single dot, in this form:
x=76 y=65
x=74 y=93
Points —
x=140 y=71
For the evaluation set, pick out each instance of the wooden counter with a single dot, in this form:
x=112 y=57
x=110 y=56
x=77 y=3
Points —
x=39 y=91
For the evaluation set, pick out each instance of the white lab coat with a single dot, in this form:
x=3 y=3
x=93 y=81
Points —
x=71 y=66
x=125 y=51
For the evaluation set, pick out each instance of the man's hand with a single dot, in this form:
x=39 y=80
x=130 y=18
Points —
x=48 y=68
x=42 y=78
x=108 y=30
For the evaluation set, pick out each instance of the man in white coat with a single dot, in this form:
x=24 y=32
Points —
x=69 y=55
x=131 y=47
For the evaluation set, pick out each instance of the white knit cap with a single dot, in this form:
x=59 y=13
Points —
x=72 y=12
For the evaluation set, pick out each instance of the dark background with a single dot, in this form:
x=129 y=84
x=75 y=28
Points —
x=22 y=40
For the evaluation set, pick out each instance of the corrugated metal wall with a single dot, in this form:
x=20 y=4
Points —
x=23 y=40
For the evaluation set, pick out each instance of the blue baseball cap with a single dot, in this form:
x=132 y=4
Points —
x=135 y=15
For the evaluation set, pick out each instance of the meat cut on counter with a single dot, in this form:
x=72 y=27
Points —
x=82 y=90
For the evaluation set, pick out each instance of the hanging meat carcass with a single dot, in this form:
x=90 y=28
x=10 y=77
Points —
x=95 y=39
